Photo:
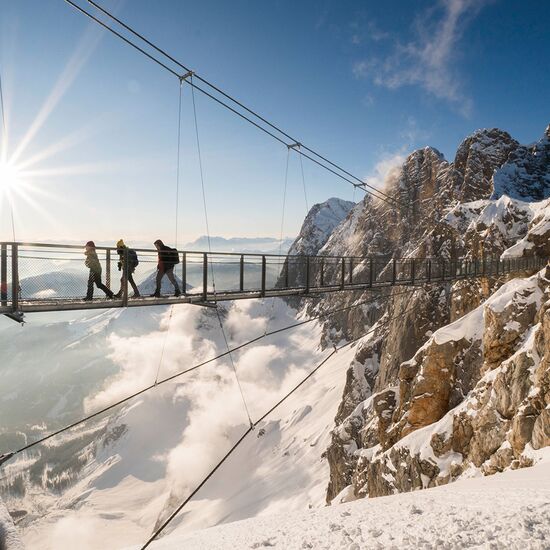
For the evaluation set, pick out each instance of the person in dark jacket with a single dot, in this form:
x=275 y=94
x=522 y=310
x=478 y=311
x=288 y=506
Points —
x=124 y=252
x=167 y=259
x=92 y=263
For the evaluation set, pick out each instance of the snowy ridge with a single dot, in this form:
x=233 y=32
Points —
x=506 y=227
x=526 y=173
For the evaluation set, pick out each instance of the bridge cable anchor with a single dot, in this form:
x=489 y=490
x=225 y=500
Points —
x=187 y=75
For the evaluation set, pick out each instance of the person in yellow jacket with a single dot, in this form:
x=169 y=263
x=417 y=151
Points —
x=124 y=252
x=92 y=263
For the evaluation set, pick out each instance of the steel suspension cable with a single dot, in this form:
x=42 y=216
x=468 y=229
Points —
x=225 y=94
x=336 y=349
x=233 y=366
x=285 y=185
x=283 y=207
x=229 y=97
x=178 y=164
x=164 y=345
x=205 y=207
x=362 y=185
x=6 y=456
x=304 y=184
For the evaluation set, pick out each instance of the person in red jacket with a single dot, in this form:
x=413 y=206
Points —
x=167 y=259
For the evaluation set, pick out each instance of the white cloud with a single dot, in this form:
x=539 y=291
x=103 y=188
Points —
x=139 y=358
x=386 y=170
x=427 y=60
x=78 y=531
x=215 y=414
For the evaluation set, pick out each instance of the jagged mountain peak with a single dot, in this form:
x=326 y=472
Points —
x=427 y=152
x=318 y=225
x=493 y=199
x=526 y=173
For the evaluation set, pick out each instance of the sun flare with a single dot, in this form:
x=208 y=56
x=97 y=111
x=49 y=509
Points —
x=9 y=176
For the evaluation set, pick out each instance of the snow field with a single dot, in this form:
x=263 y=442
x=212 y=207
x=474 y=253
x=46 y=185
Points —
x=509 y=510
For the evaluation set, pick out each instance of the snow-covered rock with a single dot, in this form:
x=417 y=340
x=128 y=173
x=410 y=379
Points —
x=526 y=173
x=452 y=212
x=319 y=224
x=9 y=536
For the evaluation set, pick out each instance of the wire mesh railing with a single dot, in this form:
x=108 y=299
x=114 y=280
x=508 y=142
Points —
x=50 y=275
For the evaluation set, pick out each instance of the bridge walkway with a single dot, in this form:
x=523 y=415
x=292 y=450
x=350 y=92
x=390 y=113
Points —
x=38 y=277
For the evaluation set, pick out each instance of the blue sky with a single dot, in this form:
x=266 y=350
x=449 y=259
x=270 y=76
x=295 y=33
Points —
x=362 y=82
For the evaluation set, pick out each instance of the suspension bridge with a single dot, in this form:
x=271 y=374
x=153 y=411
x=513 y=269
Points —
x=40 y=277
x=36 y=277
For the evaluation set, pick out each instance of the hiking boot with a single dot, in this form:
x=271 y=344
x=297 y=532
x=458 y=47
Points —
x=87 y=299
x=118 y=295
x=177 y=293
x=136 y=295
x=155 y=295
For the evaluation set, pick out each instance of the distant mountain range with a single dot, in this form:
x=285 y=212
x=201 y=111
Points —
x=249 y=245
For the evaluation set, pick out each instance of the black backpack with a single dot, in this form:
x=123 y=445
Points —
x=171 y=256
x=133 y=261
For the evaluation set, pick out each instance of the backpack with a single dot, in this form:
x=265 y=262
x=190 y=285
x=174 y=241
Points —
x=133 y=261
x=172 y=256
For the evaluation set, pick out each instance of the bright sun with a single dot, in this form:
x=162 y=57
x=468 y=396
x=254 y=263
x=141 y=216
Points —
x=9 y=176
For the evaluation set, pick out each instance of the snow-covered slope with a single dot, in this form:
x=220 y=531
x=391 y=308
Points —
x=128 y=473
x=509 y=510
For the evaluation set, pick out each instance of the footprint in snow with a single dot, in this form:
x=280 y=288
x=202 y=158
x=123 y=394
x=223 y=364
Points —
x=268 y=542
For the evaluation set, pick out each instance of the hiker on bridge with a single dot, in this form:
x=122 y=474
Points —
x=92 y=263
x=127 y=271
x=167 y=259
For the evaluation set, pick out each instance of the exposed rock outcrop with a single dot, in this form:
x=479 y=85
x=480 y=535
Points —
x=445 y=398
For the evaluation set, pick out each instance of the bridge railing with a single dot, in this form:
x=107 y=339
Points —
x=39 y=273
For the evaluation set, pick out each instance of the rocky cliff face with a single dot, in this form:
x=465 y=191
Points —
x=419 y=408
x=525 y=174
x=475 y=396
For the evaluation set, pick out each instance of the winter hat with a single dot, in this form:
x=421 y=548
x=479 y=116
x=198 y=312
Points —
x=120 y=244
x=90 y=244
